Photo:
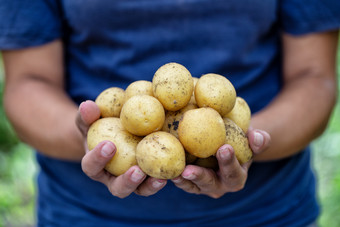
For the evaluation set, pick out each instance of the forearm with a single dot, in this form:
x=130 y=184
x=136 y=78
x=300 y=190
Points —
x=44 y=117
x=298 y=115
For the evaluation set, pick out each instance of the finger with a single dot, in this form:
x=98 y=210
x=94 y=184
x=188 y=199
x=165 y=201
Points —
x=186 y=185
x=203 y=178
x=259 y=140
x=231 y=173
x=150 y=186
x=86 y=147
x=125 y=184
x=93 y=163
x=246 y=165
x=88 y=112
x=195 y=179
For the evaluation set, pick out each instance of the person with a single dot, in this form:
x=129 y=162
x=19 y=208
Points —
x=280 y=56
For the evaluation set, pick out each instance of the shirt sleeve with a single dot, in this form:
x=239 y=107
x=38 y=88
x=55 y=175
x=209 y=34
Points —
x=299 y=17
x=25 y=23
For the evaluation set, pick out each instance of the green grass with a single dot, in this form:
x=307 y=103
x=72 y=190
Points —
x=326 y=161
x=17 y=173
x=17 y=187
x=326 y=151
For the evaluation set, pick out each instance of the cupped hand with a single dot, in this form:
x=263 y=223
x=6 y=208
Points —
x=230 y=177
x=94 y=161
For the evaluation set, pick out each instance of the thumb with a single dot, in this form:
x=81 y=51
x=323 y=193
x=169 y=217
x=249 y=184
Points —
x=259 y=140
x=88 y=112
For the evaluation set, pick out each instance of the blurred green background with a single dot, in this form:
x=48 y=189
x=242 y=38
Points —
x=18 y=172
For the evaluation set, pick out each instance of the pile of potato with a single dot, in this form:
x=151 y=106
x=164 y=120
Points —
x=172 y=121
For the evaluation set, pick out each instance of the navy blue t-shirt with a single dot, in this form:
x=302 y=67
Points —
x=113 y=43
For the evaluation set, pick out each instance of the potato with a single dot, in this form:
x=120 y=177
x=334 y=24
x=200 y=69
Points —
x=215 y=91
x=111 y=129
x=172 y=119
x=139 y=87
x=110 y=101
x=192 y=99
x=209 y=162
x=161 y=155
x=173 y=85
x=125 y=157
x=240 y=114
x=238 y=140
x=103 y=129
x=142 y=115
x=202 y=132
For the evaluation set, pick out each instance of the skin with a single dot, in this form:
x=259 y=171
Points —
x=34 y=85
x=309 y=69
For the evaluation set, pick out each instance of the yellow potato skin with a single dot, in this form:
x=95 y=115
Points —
x=196 y=115
x=103 y=129
x=142 y=115
x=240 y=114
x=110 y=101
x=161 y=155
x=202 y=132
x=215 y=91
x=172 y=119
x=173 y=85
x=125 y=156
x=139 y=87
x=111 y=129
x=238 y=140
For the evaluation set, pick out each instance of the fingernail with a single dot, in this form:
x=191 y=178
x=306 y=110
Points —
x=81 y=105
x=258 y=139
x=107 y=150
x=158 y=183
x=224 y=152
x=223 y=148
x=190 y=176
x=137 y=175
x=80 y=111
x=177 y=180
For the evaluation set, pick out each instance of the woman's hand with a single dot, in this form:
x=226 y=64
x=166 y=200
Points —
x=230 y=177
x=94 y=161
